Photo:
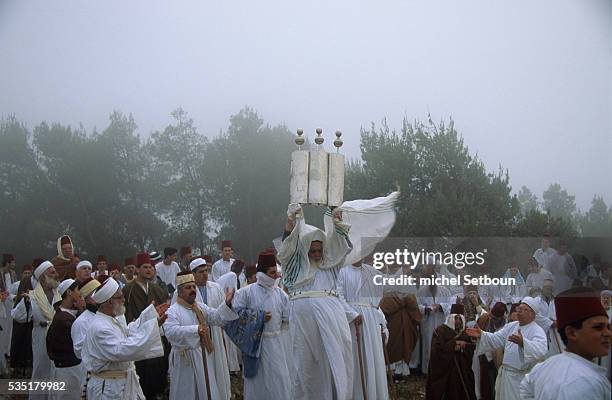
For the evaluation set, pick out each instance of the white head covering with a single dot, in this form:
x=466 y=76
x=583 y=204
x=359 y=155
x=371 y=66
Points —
x=606 y=292
x=196 y=263
x=106 y=291
x=84 y=263
x=64 y=285
x=532 y=303
x=45 y=265
x=450 y=320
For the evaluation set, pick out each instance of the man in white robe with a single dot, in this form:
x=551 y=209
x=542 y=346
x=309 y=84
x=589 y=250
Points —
x=546 y=317
x=544 y=253
x=7 y=280
x=434 y=304
x=356 y=286
x=222 y=266
x=563 y=269
x=168 y=268
x=537 y=274
x=112 y=346
x=272 y=380
x=585 y=330
x=41 y=314
x=524 y=343
x=230 y=280
x=513 y=293
x=188 y=330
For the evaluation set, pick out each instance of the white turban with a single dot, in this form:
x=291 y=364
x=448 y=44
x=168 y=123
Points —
x=106 y=291
x=198 y=262
x=64 y=285
x=84 y=263
x=606 y=292
x=532 y=303
x=45 y=265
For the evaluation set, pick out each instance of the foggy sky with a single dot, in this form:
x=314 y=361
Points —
x=528 y=83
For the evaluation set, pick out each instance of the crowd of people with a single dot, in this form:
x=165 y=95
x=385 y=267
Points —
x=306 y=321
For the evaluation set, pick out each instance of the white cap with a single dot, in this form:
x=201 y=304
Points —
x=84 y=263
x=531 y=302
x=106 y=291
x=196 y=263
x=64 y=285
x=45 y=265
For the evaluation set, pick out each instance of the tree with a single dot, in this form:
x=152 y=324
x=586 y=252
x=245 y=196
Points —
x=598 y=220
x=528 y=200
x=558 y=202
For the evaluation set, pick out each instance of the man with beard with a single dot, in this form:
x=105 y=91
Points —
x=83 y=271
x=139 y=294
x=585 y=329
x=60 y=348
x=450 y=374
x=65 y=261
x=111 y=346
x=188 y=329
x=42 y=312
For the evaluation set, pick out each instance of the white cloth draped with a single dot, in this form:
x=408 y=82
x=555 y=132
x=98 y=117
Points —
x=543 y=256
x=566 y=376
x=355 y=285
x=187 y=376
x=536 y=279
x=111 y=345
x=272 y=381
x=229 y=281
x=220 y=268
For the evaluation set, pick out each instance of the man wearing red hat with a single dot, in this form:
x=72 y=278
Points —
x=129 y=267
x=584 y=327
x=272 y=379
x=101 y=266
x=450 y=374
x=65 y=261
x=223 y=265
x=524 y=343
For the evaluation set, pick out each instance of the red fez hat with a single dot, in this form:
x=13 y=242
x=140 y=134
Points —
x=36 y=262
x=457 y=309
x=513 y=307
x=65 y=240
x=7 y=258
x=498 y=310
x=207 y=258
x=577 y=304
x=142 y=258
x=226 y=243
x=266 y=260
x=114 y=267
x=129 y=261
x=185 y=250
x=102 y=278
x=102 y=258
x=250 y=270
x=27 y=268
x=237 y=264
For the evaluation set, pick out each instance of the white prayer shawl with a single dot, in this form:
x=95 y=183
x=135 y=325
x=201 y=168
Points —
x=546 y=314
x=111 y=345
x=432 y=319
x=167 y=273
x=543 y=257
x=42 y=366
x=228 y=281
x=272 y=381
x=536 y=279
x=215 y=297
x=517 y=360
x=355 y=285
x=219 y=268
x=322 y=355
x=566 y=376
x=187 y=379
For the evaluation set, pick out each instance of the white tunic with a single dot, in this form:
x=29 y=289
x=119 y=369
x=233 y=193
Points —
x=536 y=279
x=566 y=376
x=272 y=381
x=355 y=285
x=78 y=332
x=167 y=273
x=545 y=316
x=229 y=281
x=112 y=346
x=219 y=268
x=543 y=256
x=517 y=360
x=187 y=375
x=432 y=319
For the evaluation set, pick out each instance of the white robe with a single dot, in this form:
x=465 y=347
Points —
x=228 y=281
x=356 y=287
x=517 y=360
x=111 y=345
x=42 y=366
x=566 y=376
x=78 y=332
x=167 y=273
x=432 y=319
x=564 y=272
x=219 y=268
x=543 y=257
x=187 y=375
x=536 y=279
x=545 y=316
x=272 y=381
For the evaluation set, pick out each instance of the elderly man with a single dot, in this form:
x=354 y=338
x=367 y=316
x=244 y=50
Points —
x=187 y=329
x=42 y=312
x=65 y=261
x=585 y=329
x=83 y=271
x=112 y=346
x=319 y=321
x=524 y=343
